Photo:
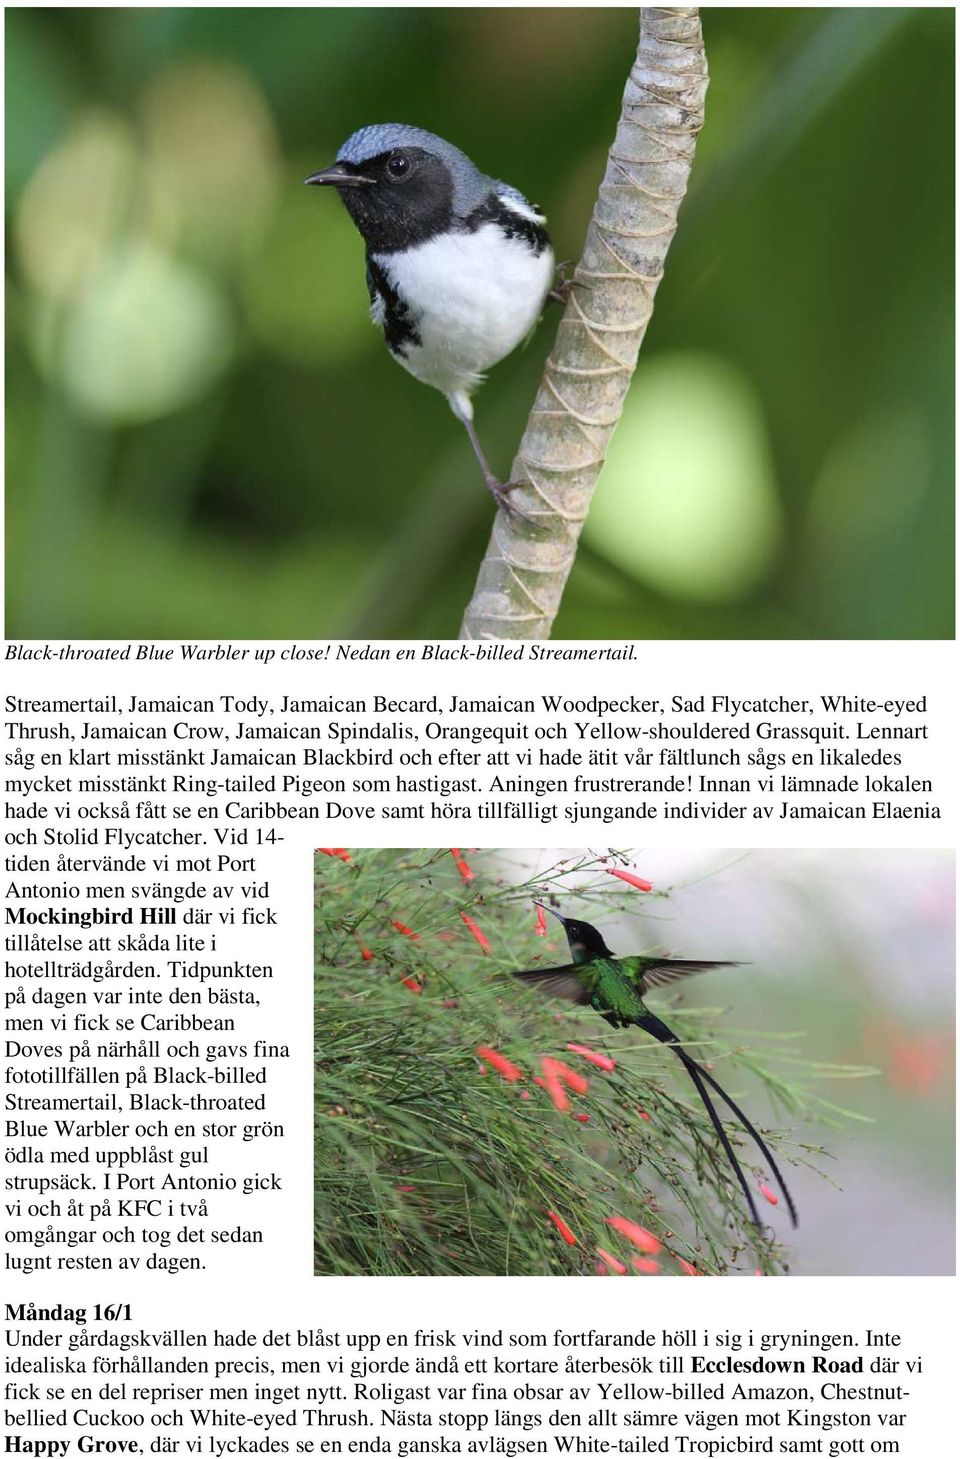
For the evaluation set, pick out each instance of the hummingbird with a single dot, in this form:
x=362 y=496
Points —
x=616 y=988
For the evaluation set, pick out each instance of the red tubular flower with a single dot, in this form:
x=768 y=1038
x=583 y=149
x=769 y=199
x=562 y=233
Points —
x=639 y=1235
x=563 y=1228
x=465 y=871
x=365 y=952
x=611 y=1261
x=541 y=928
x=402 y=927
x=631 y=880
x=583 y=1119
x=685 y=1267
x=557 y=1069
x=340 y=852
x=643 y=1114
x=768 y=1194
x=503 y=1066
x=602 y=1061
x=474 y=931
x=551 y=1083
x=412 y=984
x=644 y=1264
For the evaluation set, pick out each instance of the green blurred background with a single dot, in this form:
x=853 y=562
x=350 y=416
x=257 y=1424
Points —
x=207 y=438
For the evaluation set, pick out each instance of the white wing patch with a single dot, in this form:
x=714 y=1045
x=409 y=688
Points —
x=518 y=204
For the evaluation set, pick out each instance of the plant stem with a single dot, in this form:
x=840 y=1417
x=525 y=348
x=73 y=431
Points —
x=586 y=378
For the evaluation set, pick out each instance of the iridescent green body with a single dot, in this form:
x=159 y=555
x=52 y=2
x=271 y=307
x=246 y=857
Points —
x=616 y=987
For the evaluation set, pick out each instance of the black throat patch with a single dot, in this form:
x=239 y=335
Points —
x=397 y=215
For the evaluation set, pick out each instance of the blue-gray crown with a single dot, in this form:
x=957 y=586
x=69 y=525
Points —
x=470 y=185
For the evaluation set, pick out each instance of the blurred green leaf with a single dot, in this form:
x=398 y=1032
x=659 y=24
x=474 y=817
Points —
x=687 y=499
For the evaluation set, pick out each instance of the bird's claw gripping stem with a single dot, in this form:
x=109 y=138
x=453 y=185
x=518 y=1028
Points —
x=562 y=286
x=500 y=491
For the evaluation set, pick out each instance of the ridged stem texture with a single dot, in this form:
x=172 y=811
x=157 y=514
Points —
x=586 y=378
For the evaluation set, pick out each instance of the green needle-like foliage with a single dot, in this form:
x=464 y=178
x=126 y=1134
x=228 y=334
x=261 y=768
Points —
x=431 y=1161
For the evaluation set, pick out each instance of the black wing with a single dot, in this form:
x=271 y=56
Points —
x=390 y=312
x=556 y=982
x=667 y=970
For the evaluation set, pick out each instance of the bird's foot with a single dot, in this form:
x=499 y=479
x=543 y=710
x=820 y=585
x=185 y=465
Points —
x=500 y=491
x=562 y=286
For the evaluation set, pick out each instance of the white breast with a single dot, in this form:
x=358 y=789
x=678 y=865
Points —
x=473 y=298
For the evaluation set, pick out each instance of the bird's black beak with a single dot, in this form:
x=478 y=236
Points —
x=559 y=916
x=337 y=176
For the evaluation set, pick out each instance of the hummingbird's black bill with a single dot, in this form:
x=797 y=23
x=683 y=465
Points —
x=545 y=908
x=336 y=176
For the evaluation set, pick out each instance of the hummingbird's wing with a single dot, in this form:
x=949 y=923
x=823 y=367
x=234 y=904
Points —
x=557 y=982
x=657 y=972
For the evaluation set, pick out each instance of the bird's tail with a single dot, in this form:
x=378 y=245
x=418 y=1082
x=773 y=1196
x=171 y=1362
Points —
x=698 y=1075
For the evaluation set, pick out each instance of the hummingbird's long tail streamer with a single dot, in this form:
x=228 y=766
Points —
x=698 y=1074
x=694 y=1071
x=761 y=1143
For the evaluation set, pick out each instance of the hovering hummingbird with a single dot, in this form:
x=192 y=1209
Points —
x=616 y=988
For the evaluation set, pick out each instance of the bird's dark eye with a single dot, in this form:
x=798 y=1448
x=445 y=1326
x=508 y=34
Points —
x=398 y=165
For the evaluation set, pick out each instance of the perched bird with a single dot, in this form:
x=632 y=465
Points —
x=459 y=265
x=616 y=988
